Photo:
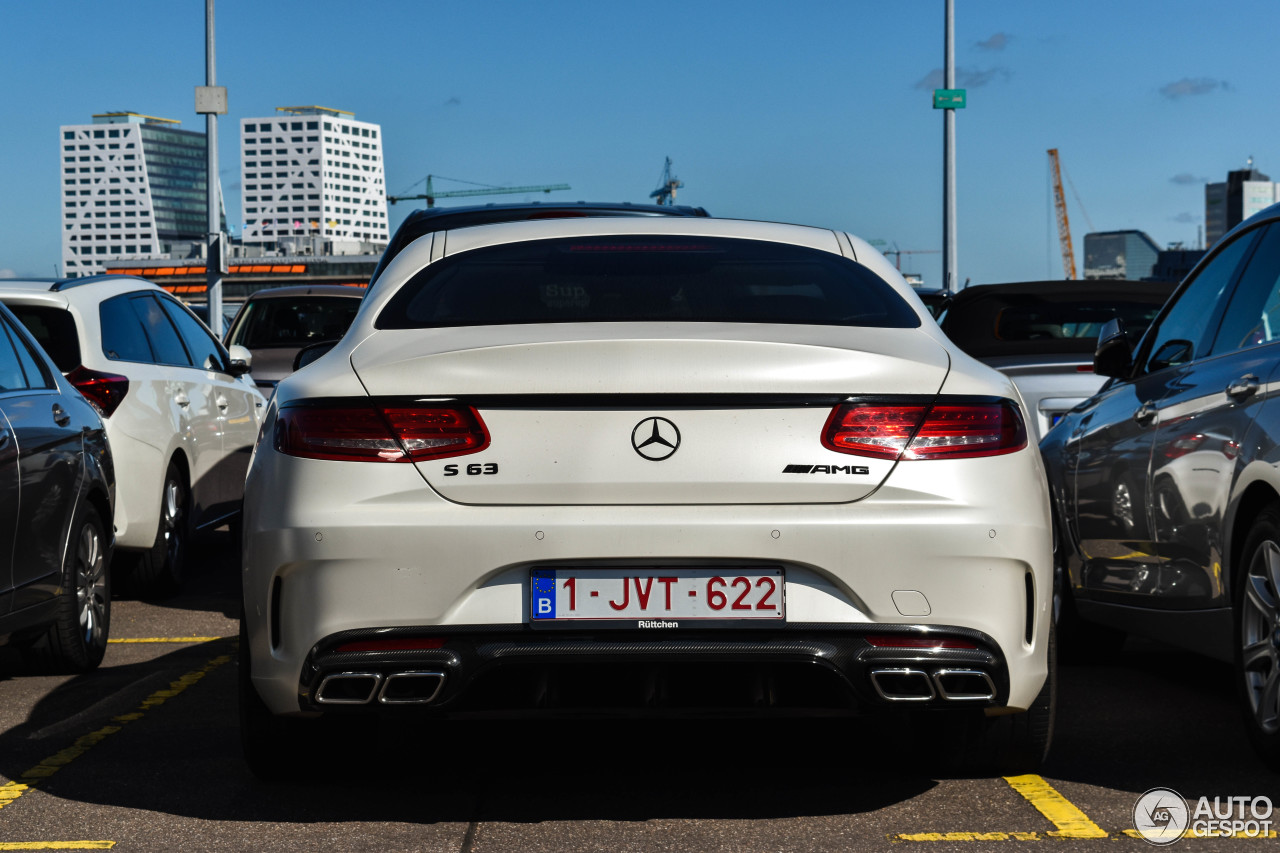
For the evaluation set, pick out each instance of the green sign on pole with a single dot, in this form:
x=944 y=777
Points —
x=948 y=99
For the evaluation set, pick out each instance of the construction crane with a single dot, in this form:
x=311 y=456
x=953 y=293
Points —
x=487 y=189
x=666 y=191
x=1064 y=227
x=898 y=253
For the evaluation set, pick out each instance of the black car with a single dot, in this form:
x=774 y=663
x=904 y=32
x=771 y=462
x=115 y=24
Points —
x=432 y=219
x=57 y=493
x=1041 y=334
x=1166 y=483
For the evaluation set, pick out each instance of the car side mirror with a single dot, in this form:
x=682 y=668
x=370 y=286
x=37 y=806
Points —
x=1114 y=354
x=241 y=360
x=311 y=353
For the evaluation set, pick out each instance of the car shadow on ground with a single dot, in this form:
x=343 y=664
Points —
x=1155 y=716
x=182 y=757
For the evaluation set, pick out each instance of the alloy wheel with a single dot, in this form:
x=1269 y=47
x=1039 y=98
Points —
x=1260 y=636
x=91 y=585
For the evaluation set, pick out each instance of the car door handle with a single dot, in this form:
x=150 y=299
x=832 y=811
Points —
x=60 y=416
x=222 y=402
x=1145 y=412
x=182 y=400
x=1243 y=388
x=4 y=440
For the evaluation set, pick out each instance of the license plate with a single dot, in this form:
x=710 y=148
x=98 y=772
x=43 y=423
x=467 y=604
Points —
x=657 y=596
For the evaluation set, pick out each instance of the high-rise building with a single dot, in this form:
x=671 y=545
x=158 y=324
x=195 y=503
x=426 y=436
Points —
x=1226 y=205
x=1119 y=254
x=132 y=186
x=313 y=172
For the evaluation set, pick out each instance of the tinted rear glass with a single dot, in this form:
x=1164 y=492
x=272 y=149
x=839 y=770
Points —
x=55 y=330
x=646 y=278
x=1025 y=323
x=294 y=321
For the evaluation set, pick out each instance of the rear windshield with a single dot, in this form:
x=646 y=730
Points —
x=55 y=330
x=646 y=278
x=1027 y=323
x=294 y=321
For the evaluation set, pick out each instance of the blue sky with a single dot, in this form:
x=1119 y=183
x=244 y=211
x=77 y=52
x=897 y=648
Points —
x=812 y=112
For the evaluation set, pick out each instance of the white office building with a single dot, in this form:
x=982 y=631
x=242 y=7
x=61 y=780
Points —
x=313 y=176
x=133 y=186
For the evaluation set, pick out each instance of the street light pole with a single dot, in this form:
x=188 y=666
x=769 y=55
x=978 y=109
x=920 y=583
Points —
x=211 y=101
x=949 y=274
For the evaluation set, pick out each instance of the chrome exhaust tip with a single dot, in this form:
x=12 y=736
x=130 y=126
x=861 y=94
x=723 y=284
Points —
x=348 y=688
x=903 y=685
x=411 y=688
x=964 y=685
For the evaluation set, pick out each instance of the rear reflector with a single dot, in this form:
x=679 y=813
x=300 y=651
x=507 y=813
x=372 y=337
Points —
x=943 y=431
x=105 y=391
x=399 y=644
x=891 y=642
x=386 y=433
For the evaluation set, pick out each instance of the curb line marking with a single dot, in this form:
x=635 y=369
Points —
x=11 y=791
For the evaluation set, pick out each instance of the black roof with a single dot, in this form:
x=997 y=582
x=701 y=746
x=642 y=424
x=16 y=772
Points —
x=428 y=220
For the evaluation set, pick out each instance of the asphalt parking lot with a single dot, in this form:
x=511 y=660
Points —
x=143 y=755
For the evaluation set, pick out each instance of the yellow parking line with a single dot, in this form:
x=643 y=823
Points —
x=1069 y=820
x=11 y=791
x=166 y=640
x=1191 y=833
x=56 y=845
x=968 y=836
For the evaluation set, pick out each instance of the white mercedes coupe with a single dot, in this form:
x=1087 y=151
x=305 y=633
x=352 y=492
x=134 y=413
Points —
x=633 y=465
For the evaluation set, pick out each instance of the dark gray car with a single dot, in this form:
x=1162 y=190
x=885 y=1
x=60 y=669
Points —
x=1166 y=483
x=57 y=493
x=275 y=324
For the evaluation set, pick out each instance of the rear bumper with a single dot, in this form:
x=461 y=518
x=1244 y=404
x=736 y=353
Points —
x=371 y=549
x=486 y=670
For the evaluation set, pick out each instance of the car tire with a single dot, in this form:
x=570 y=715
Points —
x=1256 y=606
x=161 y=569
x=272 y=746
x=77 y=639
x=974 y=744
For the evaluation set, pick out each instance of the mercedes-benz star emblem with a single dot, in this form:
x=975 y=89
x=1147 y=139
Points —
x=655 y=438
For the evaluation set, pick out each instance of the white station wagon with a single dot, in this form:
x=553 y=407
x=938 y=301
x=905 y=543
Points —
x=669 y=466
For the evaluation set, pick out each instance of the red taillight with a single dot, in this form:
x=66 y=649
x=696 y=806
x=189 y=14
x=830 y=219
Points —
x=388 y=433
x=948 y=431
x=104 y=391
x=891 y=642
x=1184 y=444
x=400 y=644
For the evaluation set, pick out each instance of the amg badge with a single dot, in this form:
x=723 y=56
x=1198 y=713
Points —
x=826 y=469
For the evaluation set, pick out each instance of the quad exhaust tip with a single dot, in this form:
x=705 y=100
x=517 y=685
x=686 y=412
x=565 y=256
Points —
x=903 y=685
x=915 y=685
x=413 y=687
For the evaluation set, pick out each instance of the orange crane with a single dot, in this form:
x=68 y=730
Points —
x=1064 y=226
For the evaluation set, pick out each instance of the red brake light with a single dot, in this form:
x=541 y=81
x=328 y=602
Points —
x=401 y=644
x=890 y=642
x=388 y=433
x=104 y=391
x=951 y=431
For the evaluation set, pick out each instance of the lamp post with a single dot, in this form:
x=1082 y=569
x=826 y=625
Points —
x=949 y=99
x=211 y=101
